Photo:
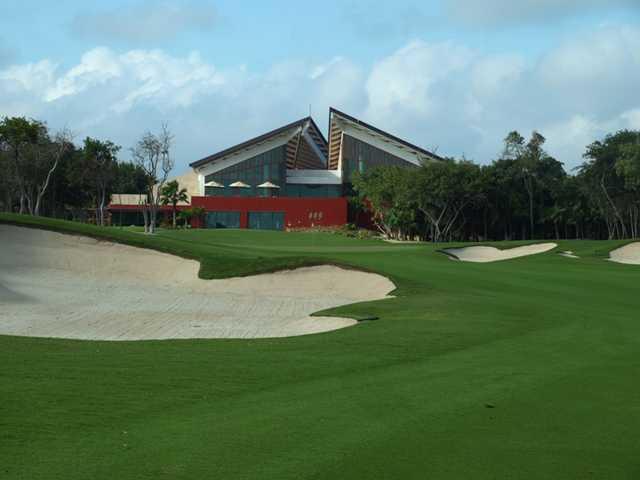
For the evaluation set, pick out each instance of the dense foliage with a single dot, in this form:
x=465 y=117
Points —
x=46 y=174
x=523 y=194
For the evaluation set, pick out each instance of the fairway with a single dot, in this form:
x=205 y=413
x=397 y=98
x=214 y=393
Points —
x=525 y=368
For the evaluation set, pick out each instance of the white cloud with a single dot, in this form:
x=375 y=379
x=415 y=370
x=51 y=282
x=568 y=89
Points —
x=320 y=70
x=496 y=12
x=465 y=102
x=490 y=74
x=28 y=77
x=565 y=136
x=632 y=119
x=120 y=95
x=96 y=67
x=408 y=78
x=438 y=95
x=338 y=83
x=145 y=22
x=595 y=58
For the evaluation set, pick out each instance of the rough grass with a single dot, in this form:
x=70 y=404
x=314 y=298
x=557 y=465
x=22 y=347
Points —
x=522 y=369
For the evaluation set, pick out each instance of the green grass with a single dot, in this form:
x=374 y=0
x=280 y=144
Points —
x=523 y=369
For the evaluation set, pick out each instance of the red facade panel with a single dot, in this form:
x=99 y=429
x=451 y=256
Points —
x=298 y=212
x=138 y=208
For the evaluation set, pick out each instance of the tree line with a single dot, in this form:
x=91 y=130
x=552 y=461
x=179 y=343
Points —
x=524 y=194
x=45 y=173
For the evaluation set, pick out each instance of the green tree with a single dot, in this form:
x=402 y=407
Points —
x=152 y=155
x=8 y=184
x=505 y=198
x=389 y=194
x=100 y=160
x=33 y=157
x=193 y=212
x=628 y=167
x=609 y=175
x=129 y=178
x=443 y=190
x=172 y=194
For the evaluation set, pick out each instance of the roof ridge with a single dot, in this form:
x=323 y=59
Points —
x=249 y=142
x=381 y=132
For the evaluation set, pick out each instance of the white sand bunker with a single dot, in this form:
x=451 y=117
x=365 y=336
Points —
x=628 y=254
x=491 y=254
x=568 y=254
x=55 y=285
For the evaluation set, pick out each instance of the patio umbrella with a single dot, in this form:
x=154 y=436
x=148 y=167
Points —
x=268 y=185
x=213 y=184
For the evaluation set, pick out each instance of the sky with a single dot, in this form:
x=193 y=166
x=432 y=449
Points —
x=453 y=76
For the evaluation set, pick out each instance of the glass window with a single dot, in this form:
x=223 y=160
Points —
x=268 y=166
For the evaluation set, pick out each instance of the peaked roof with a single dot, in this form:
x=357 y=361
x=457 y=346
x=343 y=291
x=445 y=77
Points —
x=258 y=139
x=334 y=111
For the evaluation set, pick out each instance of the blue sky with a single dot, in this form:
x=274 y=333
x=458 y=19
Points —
x=452 y=75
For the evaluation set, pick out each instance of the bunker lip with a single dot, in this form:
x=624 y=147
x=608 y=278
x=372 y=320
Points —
x=487 y=254
x=68 y=286
x=628 y=254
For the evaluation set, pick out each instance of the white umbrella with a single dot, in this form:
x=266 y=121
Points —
x=214 y=184
x=239 y=184
x=268 y=185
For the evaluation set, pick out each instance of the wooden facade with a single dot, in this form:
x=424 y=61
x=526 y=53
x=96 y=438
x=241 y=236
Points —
x=302 y=155
x=335 y=142
x=376 y=146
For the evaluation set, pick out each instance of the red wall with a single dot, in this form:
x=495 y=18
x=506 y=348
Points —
x=298 y=212
x=134 y=208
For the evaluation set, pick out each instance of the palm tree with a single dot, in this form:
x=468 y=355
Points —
x=172 y=194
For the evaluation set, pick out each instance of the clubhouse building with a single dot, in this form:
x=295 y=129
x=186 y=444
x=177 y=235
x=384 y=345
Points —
x=291 y=177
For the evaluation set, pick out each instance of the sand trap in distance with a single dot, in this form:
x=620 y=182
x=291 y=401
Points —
x=56 y=285
x=629 y=254
x=480 y=254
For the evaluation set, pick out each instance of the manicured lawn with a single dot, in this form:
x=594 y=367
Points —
x=523 y=369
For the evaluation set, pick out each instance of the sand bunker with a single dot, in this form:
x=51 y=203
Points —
x=568 y=254
x=55 y=285
x=628 y=254
x=491 y=254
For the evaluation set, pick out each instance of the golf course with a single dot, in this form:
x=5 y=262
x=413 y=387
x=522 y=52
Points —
x=524 y=368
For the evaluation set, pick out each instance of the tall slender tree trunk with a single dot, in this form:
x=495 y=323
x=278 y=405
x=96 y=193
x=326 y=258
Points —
x=29 y=204
x=102 y=198
x=174 y=215
x=531 y=223
x=486 y=229
x=618 y=218
x=145 y=217
x=152 y=219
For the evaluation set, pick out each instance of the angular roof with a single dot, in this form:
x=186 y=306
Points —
x=261 y=138
x=303 y=153
x=382 y=133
